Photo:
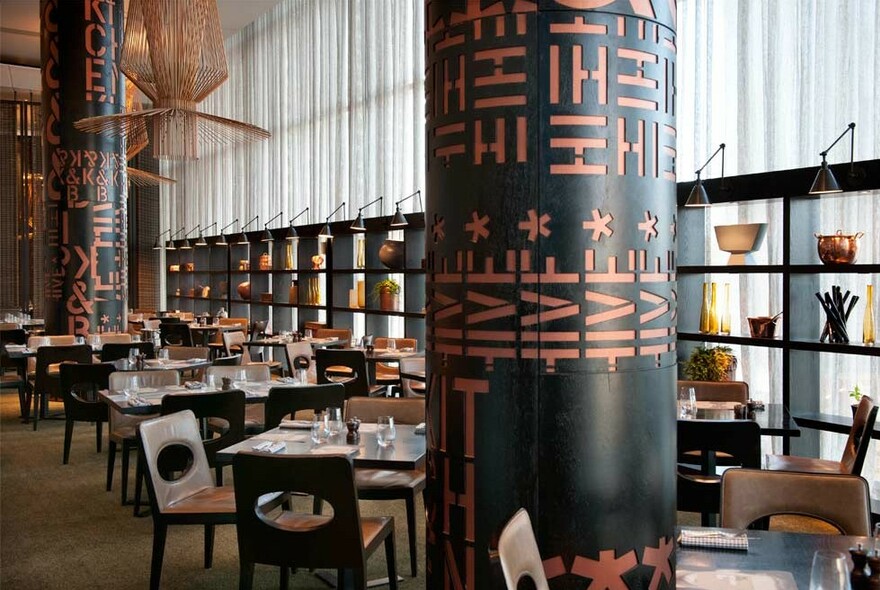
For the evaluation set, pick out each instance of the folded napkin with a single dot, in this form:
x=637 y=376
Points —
x=195 y=360
x=333 y=450
x=136 y=400
x=268 y=446
x=297 y=424
x=21 y=347
x=420 y=428
x=714 y=539
x=194 y=385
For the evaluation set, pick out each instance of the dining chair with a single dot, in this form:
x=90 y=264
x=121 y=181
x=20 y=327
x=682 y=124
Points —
x=227 y=361
x=186 y=496
x=343 y=334
x=854 y=450
x=183 y=353
x=114 y=338
x=233 y=343
x=753 y=495
x=301 y=350
x=175 y=334
x=699 y=490
x=123 y=427
x=518 y=553
x=115 y=351
x=286 y=401
x=412 y=387
x=35 y=342
x=719 y=391
x=47 y=386
x=253 y=413
x=153 y=324
x=391 y=484
x=13 y=372
x=220 y=406
x=348 y=367
x=294 y=539
x=80 y=384
x=389 y=373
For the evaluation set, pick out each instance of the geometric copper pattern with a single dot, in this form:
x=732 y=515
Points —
x=550 y=280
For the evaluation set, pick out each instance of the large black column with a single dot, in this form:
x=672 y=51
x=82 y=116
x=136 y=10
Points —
x=84 y=174
x=551 y=287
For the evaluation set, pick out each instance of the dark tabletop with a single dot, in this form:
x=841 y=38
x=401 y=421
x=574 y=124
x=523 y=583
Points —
x=830 y=423
x=774 y=420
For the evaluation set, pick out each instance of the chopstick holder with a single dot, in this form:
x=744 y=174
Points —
x=714 y=540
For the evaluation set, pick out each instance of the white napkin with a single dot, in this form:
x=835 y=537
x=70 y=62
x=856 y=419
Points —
x=297 y=424
x=270 y=447
x=715 y=539
x=333 y=450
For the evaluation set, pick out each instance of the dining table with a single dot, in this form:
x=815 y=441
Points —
x=773 y=419
x=148 y=400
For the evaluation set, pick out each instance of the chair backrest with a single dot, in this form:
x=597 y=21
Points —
x=183 y=353
x=412 y=387
x=856 y=447
x=225 y=405
x=62 y=340
x=719 y=391
x=748 y=495
x=258 y=328
x=227 y=361
x=295 y=350
x=241 y=373
x=80 y=384
x=172 y=432
x=242 y=323
x=50 y=355
x=399 y=343
x=177 y=334
x=741 y=439
x=10 y=336
x=233 y=343
x=120 y=379
x=518 y=553
x=356 y=381
x=152 y=324
x=343 y=334
x=308 y=540
x=404 y=410
x=113 y=351
x=285 y=401
x=114 y=337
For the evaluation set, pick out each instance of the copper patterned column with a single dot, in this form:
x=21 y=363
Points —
x=551 y=287
x=84 y=174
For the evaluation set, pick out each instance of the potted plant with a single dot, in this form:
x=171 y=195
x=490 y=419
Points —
x=387 y=291
x=856 y=395
x=711 y=364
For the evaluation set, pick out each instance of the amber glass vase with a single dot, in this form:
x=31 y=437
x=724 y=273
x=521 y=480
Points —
x=868 y=323
x=724 y=327
x=713 y=310
x=704 y=310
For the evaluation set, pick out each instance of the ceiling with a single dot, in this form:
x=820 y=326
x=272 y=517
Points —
x=20 y=26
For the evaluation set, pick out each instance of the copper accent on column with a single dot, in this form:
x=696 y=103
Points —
x=85 y=192
x=551 y=287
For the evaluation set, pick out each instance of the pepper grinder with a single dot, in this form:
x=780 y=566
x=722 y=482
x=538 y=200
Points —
x=858 y=577
x=873 y=581
x=353 y=436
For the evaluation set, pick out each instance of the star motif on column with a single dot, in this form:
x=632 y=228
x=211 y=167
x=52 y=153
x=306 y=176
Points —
x=607 y=572
x=437 y=228
x=658 y=557
x=649 y=226
x=477 y=225
x=105 y=319
x=673 y=227
x=600 y=225
x=535 y=225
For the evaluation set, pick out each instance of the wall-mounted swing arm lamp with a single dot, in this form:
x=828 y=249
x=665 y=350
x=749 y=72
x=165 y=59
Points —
x=201 y=241
x=698 y=196
x=186 y=245
x=358 y=223
x=291 y=231
x=267 y=235
x=399 y=219
x=221 y=241
x=169 y=245
x=157 y=245
x=242 y=238
x=325 y=231
x=825 y=182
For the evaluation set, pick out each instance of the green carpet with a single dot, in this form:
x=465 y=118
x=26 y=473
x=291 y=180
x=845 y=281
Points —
x=59 y=528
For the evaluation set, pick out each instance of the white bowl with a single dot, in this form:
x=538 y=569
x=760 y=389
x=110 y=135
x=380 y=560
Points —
x=740 y=240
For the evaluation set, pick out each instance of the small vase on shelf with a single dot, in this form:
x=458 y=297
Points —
x=713 y=310
x=704 y=310
x=725 y=311
x=868 y=322
x=288 y=256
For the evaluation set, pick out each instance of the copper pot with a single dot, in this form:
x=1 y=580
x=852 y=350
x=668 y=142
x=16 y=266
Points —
x=838 y=248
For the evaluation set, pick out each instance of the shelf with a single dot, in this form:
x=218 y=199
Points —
x=851 y=348
x=380 y=271
x=731 y=269
x=404 y=314
x=741 y=340
x=187 y=297
x=835 y=268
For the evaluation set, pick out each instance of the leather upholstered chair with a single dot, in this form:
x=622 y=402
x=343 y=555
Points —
x=348 y=367
x=253 y=413
x=391 y=484
x=175 y=334
x=854 y=451
x=80 y=384
x=287 y=400
x=389 y=373
x=412 y=387
x=303 y=350
x=47 y=386
x=189 y=497
x=116 y=350
x=518 y=553
x=750 y=495
x=294 y=539
x=344 y=334
x=719 y=391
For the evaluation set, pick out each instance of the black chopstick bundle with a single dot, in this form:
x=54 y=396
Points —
x=837 y=312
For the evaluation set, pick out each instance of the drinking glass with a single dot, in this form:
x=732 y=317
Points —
x=163 y=354
x=309 y=333
x=829 y=571
x=135 y=337
x=79 y=340
x=687 y=402
x=392 y=345
x=385 y=432
x=334 y=421
x=132 y=356
x=319 y=428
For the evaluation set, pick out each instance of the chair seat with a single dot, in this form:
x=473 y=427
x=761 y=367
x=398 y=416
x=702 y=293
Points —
x=805 y=464
x=372 y=528
x=216 y=500
x=385 y=479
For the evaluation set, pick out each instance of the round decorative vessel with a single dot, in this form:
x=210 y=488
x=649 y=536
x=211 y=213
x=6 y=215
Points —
x=244 y=290
x=740 y=240
x=838 y=248
x=391 y=254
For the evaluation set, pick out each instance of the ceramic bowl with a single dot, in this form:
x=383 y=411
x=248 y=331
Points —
x=391 y=254
x=740 y=240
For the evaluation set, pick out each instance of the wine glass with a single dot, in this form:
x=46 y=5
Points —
x=829 y=571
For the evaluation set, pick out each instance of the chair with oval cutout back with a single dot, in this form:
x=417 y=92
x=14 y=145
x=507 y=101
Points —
x=253 y=413
x=80 y=384
x=351 y=371
x=518 y=553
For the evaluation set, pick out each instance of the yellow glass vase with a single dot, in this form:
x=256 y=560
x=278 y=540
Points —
x=724 y=327
x=713 y=310
x=868 y=322
x=704 y=310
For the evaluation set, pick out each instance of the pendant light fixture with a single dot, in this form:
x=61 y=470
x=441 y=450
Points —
x=266 y=236
x=201 y=242
x=242 y=237
x=698 y=196
x=169 y=245
x=325 y=231
x=186 y=245
x=157 y=244
x=358 y=223
x=399 y=219
x=825 y=183
x=291 y=231
x=221 y=241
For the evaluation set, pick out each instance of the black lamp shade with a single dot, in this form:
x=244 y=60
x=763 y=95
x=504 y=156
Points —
x=157 y=245
x=186 y=245
x=291 y=233
x=242 y=239
x=824 y=182
x=170 y=245
x=325 y=231
x=358 y=223
x=698 y=196
x=266 y=236
x=200 y=243
x=221 y=241
x=399 y=220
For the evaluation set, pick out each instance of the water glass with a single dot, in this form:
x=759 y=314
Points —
x=829 y=571
x=687 y=402
x=334 y=421
x=163 y=354
x=319 y=428
x=392 y=345
x=79 y=340
x=135 y=337
x=300 y=377
x=385 y=432
x=132 y=355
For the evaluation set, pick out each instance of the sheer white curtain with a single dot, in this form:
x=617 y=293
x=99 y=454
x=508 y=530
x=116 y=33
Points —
x=778 y=81
x=339 y=84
